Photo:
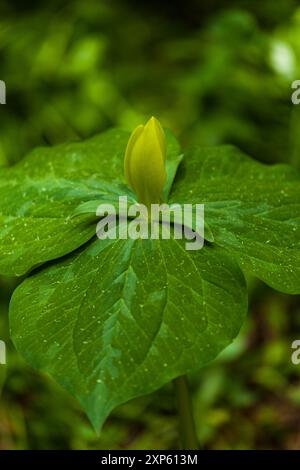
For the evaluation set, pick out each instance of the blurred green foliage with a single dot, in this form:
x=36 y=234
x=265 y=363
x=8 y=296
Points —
x=215 y=72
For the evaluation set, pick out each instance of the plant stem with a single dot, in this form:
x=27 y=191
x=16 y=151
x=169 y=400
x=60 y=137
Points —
x=187 y=431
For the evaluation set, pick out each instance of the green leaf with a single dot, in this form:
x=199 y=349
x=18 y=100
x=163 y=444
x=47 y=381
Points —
x=120 y=318
x=253 y=210
x=116 y=319
x=39 y=195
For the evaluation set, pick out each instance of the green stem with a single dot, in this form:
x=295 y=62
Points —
x=187 y=429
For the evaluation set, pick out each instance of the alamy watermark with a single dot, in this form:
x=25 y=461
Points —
x=296 y=94
x=2 y=92
x=160 y=221
x=2 y=352
x=295 y=357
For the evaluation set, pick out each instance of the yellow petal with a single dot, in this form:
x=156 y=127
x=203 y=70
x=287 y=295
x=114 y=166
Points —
x=145 y=162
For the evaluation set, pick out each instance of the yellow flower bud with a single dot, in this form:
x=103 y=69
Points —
x=145 y=162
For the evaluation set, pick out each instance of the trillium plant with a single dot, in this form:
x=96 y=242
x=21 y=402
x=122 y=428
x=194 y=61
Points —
x=114 y=318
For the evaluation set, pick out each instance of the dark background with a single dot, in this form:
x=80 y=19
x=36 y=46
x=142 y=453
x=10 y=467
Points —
x=215 y=72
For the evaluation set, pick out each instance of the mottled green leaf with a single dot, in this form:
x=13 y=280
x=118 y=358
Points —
x=116 y=319
x=39 y=195
x=120 y=318
x=253 y=210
